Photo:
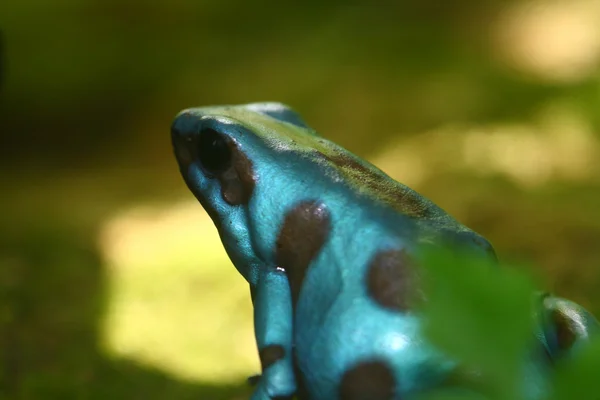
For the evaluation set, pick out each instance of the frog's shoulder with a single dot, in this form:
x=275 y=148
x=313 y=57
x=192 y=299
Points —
x=367 y=180
x=278 y=111
x=338 y=168
x=393 y=202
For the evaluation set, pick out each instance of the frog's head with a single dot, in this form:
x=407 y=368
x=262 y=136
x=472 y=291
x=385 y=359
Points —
x=224 y=153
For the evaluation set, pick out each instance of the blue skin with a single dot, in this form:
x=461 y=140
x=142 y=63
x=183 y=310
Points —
x=332 y=320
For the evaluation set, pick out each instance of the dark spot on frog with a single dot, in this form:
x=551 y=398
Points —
x=371 y=380
x=269 y=355
x=237 y=182
x=303 y=234
x=566 y=333
x=392 y=280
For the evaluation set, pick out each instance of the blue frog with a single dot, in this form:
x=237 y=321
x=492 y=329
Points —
x=327 y=242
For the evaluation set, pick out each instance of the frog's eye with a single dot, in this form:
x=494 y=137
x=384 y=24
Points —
x=213 y=151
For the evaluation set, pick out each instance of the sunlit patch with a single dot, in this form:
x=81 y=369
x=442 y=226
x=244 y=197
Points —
x=175 y=300
x=557 y=40
x=405 y=160
x=397 y=341
x=558 y=145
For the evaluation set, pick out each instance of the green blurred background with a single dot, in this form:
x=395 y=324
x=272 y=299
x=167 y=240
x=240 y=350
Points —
x=113 y=282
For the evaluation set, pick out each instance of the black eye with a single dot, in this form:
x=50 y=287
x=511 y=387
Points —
x=213 y=151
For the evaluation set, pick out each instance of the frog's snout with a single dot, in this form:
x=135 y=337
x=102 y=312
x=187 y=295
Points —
x=181 y=144
x=178 y=126
x=175 y=132
x=183 y=124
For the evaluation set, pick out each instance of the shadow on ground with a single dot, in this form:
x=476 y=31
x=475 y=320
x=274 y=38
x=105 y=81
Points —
x=53 y=286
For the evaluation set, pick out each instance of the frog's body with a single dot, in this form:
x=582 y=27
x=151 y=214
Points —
x=327 y=243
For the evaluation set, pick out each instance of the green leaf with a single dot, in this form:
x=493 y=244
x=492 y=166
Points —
x=579 y=377
x=481 y=315
x=449 y=395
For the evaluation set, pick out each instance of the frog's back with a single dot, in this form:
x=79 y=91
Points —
x=361 y=188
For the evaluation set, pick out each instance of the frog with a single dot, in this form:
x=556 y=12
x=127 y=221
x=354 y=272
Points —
x=328 y=244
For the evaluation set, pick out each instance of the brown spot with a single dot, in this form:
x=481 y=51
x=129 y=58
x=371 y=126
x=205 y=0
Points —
x=371 y=380
x=401 y=198
x=237 y=182
x=392 y=280
x=302 y=235
x=269 y=355
x=566 y=333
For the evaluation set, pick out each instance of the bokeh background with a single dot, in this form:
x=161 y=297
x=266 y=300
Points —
x=113 y=283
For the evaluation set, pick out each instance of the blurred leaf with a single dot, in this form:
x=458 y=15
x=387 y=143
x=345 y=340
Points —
x=450 y=395
x=472 y=305
x=578 y=378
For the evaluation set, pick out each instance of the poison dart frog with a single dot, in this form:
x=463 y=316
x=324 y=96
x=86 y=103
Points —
x=327 y=243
